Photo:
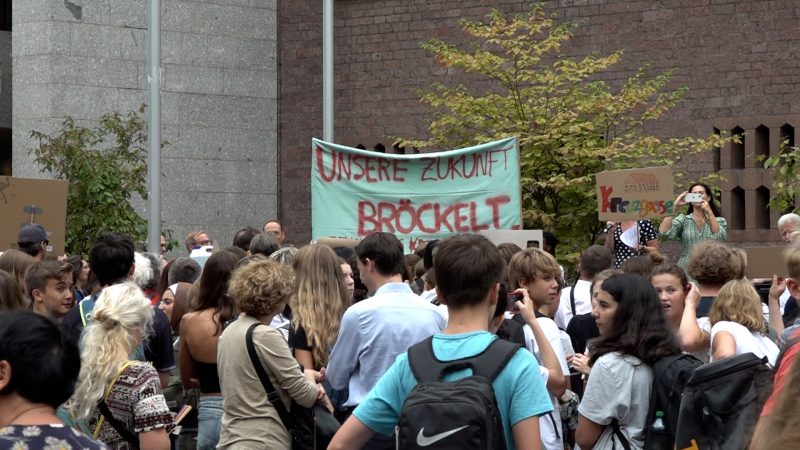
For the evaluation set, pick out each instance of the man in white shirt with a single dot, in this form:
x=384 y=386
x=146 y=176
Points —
x=576 y=300
x=374 y=331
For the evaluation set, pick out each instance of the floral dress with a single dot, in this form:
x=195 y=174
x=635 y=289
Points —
x=684 y=228
x=46 y=437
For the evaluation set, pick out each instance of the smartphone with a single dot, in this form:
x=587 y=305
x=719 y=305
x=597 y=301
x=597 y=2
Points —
x=693 y=197
x=513 y=298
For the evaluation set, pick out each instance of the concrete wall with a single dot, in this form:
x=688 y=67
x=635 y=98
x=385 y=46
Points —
x=5 y=79
x=84 y=58
x=739 y=59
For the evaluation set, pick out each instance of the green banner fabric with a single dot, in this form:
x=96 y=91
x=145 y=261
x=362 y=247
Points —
x=417 y=197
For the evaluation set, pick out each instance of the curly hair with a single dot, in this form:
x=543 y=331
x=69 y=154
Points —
x=738 y=301
x=639 y=327
x=321 y=298
x=261 y=287
x=714 y=263
x=107 y=342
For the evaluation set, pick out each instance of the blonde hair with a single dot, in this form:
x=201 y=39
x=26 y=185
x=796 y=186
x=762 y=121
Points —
x=792 y=257
x=260 y=286
x=321 y=298
x=738 y=301
x=107 y=342
x=531 y=264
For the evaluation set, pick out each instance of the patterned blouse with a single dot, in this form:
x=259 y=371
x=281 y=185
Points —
x=621 y=251
x=135 y=400
x=684 y=228
x=46 y=437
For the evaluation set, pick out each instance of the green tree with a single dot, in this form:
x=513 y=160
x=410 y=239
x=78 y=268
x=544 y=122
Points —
x=570 y=123
x=105 y=165
x=785 y=179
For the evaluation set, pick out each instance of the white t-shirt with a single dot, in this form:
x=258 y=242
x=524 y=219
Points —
x=549 y=424
x=618 y=388
x=703 y=355
x=583 y=303
x=747 y=341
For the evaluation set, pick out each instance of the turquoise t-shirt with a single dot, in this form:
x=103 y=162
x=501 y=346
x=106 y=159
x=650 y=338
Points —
x=519 y=389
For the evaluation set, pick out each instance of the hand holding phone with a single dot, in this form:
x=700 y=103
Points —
x=693 y=197
x=513 y=298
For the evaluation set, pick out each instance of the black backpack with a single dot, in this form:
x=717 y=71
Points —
x=460 y=414
x=722 y=402
x=670 y=377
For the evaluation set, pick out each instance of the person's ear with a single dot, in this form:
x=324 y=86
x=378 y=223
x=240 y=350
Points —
x=36 y=295
x=521 y=283
x=439 y=297
x=5 y=374
x=494 y=291
x=133 y=269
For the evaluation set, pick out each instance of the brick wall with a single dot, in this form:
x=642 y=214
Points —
x=739 y=59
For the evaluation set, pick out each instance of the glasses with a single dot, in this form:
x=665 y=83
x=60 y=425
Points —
x=205 y=242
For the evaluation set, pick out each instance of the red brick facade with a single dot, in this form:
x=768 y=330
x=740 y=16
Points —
x=739 y=59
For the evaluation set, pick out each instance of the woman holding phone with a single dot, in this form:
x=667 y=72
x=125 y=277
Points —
x=702 y=221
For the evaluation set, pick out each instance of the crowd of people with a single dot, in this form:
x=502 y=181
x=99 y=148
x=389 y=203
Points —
x=210 y=349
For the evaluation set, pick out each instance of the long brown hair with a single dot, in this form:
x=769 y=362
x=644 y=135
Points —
x=213 y=291
x=321 y=298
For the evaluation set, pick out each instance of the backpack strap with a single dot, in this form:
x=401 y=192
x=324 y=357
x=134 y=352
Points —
x=272 y=393
x=488 y=364
x=572 y=299
x=618 y=433
x=789 y=344
x=132 y=438
x=103 y=401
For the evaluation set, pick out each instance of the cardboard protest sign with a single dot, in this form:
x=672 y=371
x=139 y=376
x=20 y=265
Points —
x=24 y=201
x=417 y=197
x=764 y=262
x=635 y=193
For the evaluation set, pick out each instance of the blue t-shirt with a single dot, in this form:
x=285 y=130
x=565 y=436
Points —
x=518 y=389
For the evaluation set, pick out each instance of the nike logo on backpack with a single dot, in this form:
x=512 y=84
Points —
x=424 y=441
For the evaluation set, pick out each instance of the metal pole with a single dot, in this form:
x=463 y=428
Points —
x=154 y=127
x=327 y=70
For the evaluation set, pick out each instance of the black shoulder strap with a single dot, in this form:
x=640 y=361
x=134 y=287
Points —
x=132 y=438
x=488 y=364
x=789 y=344
x=272 y=394
x=618 y=433
x=572 y=299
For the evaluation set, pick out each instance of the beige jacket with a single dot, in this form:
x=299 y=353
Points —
x=249 y=421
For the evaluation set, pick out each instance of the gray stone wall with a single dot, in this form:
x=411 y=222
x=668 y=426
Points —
x=84 y=58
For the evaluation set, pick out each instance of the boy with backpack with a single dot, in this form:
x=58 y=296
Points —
x=461 y=388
